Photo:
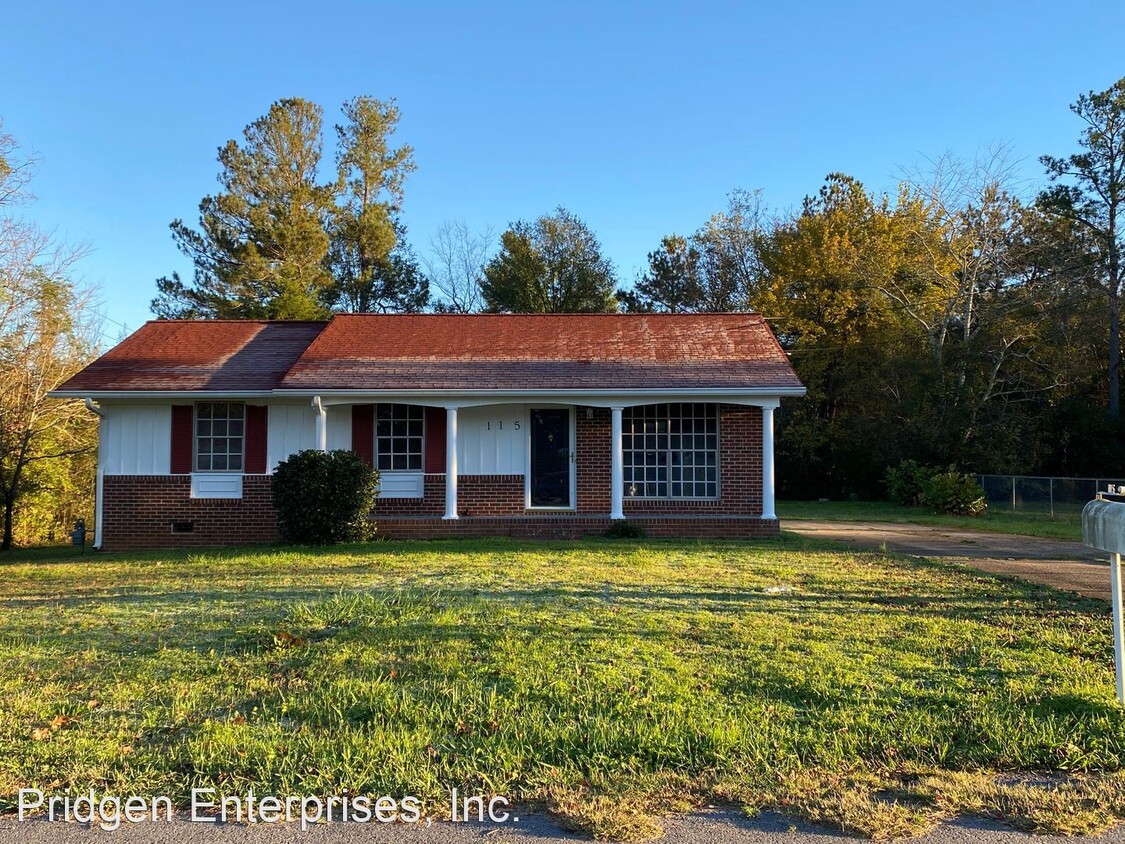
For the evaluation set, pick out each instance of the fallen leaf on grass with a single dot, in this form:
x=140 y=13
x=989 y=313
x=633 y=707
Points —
x=285 y=639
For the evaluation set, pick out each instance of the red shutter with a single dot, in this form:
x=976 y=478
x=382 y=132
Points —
x=435 y=440
x=257 y=428
x=363 y=431
x=183 y=422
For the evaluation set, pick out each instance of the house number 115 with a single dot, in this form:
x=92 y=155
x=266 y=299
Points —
x=500 y=425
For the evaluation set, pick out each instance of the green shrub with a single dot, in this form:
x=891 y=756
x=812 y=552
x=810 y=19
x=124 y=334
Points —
x=625 y=529
x=906 y=481
x=324 y=497
x=954 y=494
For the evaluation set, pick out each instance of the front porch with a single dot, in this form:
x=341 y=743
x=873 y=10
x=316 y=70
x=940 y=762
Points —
x=513 y=468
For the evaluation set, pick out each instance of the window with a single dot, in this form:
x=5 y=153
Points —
x=219 y=431
x=671 y=451
x=398 y=437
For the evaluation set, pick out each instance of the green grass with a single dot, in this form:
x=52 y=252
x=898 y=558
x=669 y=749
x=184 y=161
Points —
x=1065 y=524
x=611 y=681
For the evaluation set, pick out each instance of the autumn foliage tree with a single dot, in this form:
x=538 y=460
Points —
x=48 y=331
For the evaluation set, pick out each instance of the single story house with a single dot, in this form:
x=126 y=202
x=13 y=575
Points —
x=524 y=425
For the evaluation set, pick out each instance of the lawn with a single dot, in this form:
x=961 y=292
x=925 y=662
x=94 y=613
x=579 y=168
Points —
x=1065 y=524
x=612 y=682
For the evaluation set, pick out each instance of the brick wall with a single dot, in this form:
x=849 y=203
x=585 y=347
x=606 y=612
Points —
x=692 y=526
x=477 y=495
x=138 y=512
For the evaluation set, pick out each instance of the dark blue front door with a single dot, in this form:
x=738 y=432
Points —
x=550 y=458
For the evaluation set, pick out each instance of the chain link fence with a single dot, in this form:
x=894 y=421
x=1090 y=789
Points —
x=1052 y=496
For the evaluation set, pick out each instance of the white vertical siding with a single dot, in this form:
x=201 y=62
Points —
x=136 y=439
x=492 y=440
x=339 y=426
x=292 y=428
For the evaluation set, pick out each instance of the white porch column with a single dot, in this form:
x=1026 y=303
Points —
x=767 y=464
x=321 y=424
x=450 y=463
x=616 y=467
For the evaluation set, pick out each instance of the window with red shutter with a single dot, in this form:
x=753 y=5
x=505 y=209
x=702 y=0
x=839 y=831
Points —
x=257 y=433
x=435 y=440
x=183 y=438
x=363 y=432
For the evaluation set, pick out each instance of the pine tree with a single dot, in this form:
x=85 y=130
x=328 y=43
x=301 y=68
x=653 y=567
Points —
x=1089 y=191
x=279 y=242
x=373 y=269
x=672 y=281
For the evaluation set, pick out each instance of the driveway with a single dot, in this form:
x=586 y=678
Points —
x=1063 y=565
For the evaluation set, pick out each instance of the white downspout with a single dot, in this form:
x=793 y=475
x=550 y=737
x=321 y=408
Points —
x=99 y=474
x=321 y=424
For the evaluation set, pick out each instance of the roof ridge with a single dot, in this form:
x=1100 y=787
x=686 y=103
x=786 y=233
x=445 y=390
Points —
x=206 y=320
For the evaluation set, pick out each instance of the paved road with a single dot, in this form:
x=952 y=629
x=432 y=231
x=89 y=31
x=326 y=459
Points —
x=1064 y=565
x=716 y=827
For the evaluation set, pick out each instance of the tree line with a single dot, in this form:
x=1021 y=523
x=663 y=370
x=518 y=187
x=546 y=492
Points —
x=958 y=322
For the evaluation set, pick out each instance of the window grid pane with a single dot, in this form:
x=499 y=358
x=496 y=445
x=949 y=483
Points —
x=399 y=437
x=219 y=440
x=671 y=451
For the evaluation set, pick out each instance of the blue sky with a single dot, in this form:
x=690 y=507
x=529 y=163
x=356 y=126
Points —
x=639 y=117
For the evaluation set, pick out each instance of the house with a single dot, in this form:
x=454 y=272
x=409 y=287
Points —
x=523 y=425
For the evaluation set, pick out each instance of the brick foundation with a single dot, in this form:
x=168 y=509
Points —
x=477 y=495
x=576 y=527
x=139 y=510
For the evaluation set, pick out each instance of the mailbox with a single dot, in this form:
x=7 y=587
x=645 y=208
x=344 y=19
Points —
x=1103 y=527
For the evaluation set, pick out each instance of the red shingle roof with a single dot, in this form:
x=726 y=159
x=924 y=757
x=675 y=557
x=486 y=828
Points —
x=449 y=352
x=543 y=351
x=199 y=355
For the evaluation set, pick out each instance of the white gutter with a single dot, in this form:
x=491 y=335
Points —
x=99 y=474
x=733 y=392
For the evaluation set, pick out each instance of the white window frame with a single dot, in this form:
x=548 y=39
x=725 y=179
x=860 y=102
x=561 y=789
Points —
x=392 y=471
x=668 y=451
x=196 y=436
